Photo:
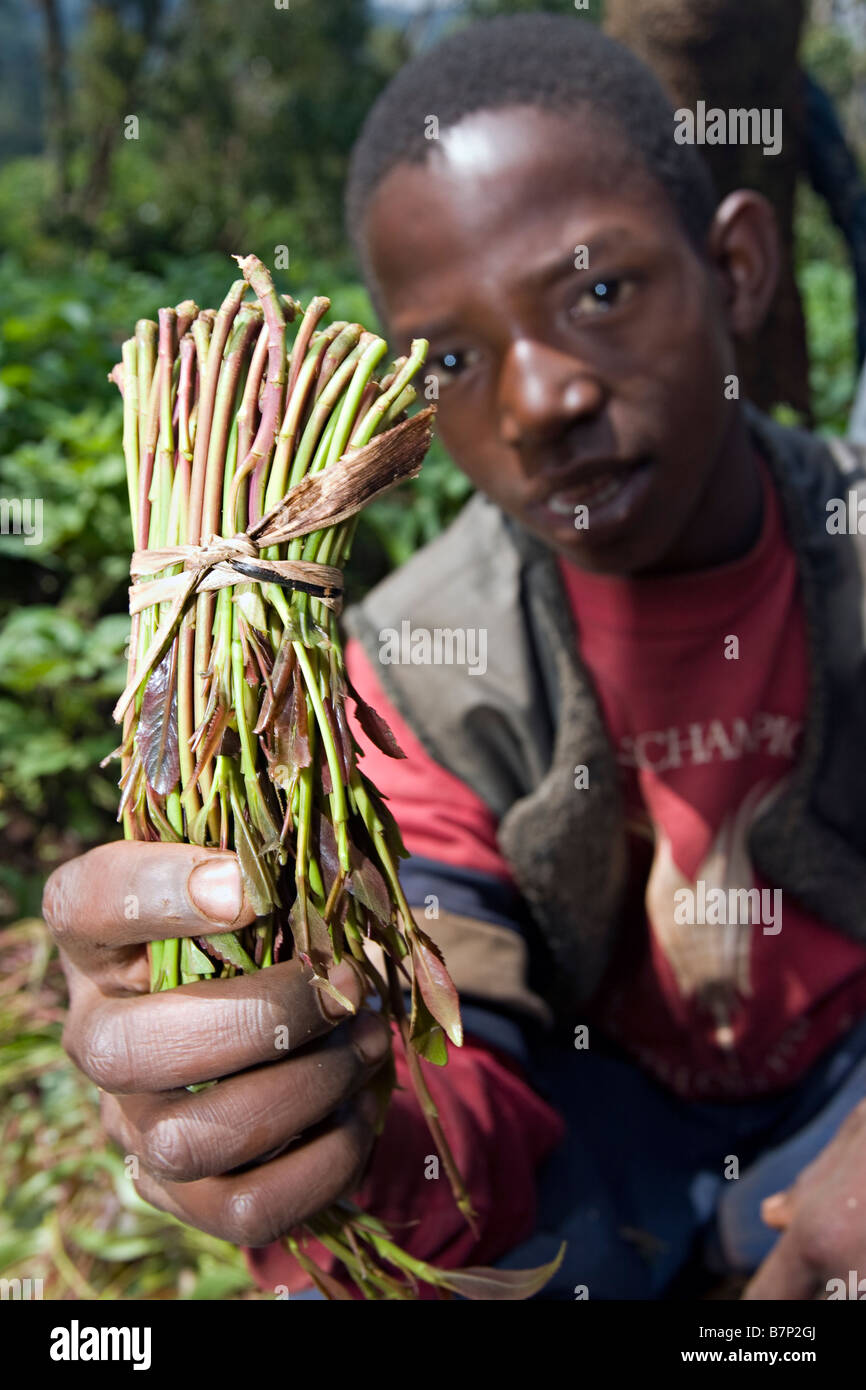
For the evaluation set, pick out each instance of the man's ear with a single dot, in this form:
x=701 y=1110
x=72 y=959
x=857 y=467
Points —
x=743 y=241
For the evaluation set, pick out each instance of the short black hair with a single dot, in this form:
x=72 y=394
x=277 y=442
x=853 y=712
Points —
x=551 y=61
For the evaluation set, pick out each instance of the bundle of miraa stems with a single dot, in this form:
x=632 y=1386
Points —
x=248 y=461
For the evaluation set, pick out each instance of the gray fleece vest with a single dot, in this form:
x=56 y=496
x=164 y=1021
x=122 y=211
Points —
x=516 y=733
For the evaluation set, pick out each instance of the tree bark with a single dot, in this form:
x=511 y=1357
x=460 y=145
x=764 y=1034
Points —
x=57 y=131
x=739 y=54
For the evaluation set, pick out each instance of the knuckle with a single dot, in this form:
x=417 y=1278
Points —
x=166 y=1152
x=58 y=903
x=104 y=1055
x=247 y=1221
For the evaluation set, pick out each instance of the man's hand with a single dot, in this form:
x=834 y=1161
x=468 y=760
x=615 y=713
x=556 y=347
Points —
x=823 y=1220
x=143 y=1049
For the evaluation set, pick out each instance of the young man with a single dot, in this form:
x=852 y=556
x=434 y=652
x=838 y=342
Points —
x=635 y=783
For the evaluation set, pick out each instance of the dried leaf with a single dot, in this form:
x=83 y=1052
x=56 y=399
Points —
x=344 y=487
x=157 y=726
x=249 y=600
x=499 y=1284
x=374 y=726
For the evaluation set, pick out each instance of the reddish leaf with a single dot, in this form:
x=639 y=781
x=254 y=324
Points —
x=281 y=675
x=329 y=854
x=300 y=733
x=290 y=726
x=210 y=741
x=436 y=985
x=368 y=886
x=374 y=726
x=157 y=726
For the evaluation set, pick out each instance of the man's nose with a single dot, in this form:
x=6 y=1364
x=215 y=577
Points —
x=543 y=390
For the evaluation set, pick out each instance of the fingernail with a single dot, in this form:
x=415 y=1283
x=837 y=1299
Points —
x=346 y=979
x=773 y=1203
x=371 y=1038
x=215 y=889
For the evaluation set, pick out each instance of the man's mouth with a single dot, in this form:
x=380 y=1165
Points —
x=597 y=503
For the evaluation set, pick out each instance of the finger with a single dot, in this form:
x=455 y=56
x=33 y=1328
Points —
x=202 y=1031
x=182 y=1137
x=258 y=1206
x=101 y=905
x=784 y=1274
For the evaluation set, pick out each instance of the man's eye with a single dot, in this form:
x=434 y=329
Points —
x=449 y=365
x=601 y=297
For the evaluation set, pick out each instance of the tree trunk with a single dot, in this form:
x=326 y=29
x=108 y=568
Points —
x=739 y=54
x=57 y=100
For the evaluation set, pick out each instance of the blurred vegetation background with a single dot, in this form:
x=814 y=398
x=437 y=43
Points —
x=242 y=126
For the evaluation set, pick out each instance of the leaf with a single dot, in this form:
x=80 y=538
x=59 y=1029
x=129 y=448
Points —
x=290 y=726
x=425 y=1034
x=258 y=886
x=368 y=885
x=374 y=726
x=499 y=1284
x=281 y=674
x=320 y=953
x=249 y=600
x=230 y=951
x=393 y=838
x=192 y=960
x=208 y=739
x=325 y=985
x=157 y=726
x=436 y=985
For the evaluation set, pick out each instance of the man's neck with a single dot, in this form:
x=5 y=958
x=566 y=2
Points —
x=726 y=520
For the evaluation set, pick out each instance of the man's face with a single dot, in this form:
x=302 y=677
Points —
x=560 y=386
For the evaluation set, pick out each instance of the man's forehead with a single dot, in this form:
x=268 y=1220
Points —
x=511 y=190
x=515 y=162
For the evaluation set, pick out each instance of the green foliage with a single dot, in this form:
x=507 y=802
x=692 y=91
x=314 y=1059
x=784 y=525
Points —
x=826 y=283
